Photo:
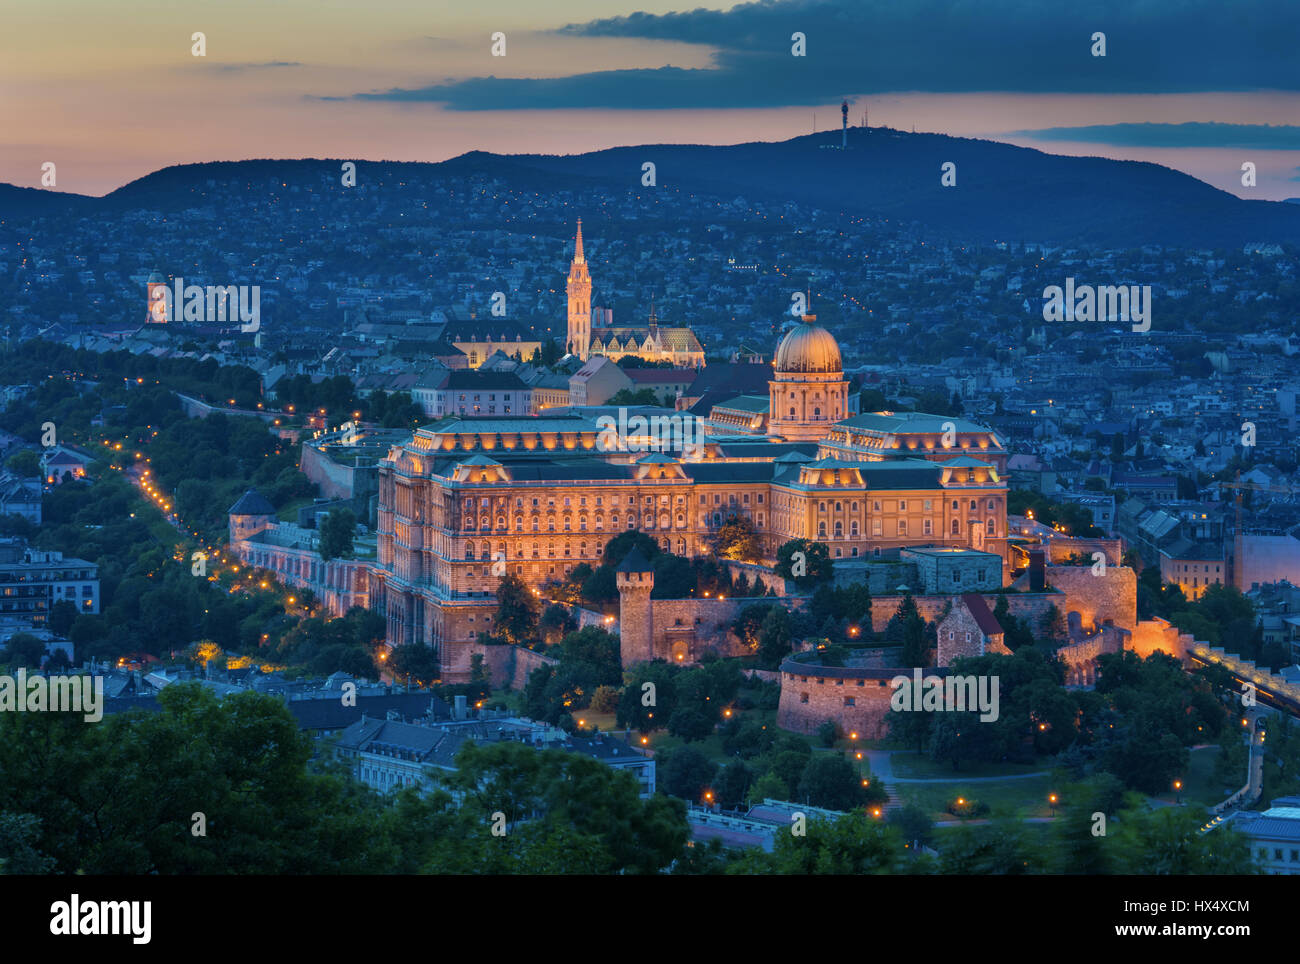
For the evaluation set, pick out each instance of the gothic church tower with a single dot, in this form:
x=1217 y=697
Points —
x=579 y=290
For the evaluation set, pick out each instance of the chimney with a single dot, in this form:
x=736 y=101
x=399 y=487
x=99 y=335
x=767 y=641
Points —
x=1037 y=570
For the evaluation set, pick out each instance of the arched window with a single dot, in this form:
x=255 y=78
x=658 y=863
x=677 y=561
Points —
x=956 y=527
x=990 y=528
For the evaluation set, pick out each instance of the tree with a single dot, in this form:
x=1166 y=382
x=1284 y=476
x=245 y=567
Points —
x=555 y=801
x=627 y=397
x=336 y=532
x=622 y=544
x=104 y=811
x=774 y=637
x=597 y=649
x=828 y=731
x=19 y=833
x=737 y=539
x=767 y=787
x=690 y=724
x=812 y=566
x=415 y=661
x=853 y=844
x=910 y=729
x=830 y=781
x=25 y=464
x=748 y=622
x=910 y=633
x=687 y=772
x=649 y=697
x=605 y=699
x=24 y=649
x=914 y=823
x=516 y=617
x=601 y=586
x=733 y=784
x=556 y=621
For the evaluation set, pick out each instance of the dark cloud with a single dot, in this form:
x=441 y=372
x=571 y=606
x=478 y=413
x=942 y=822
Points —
x=1259 y=137
x=937 y=46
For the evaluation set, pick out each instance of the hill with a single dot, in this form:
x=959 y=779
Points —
x=1002 y=192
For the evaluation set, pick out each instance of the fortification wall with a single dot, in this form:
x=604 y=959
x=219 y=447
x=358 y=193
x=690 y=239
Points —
x=1033 y=606
x=682 y=630
x=770 y=580
x=509 y=666
x=1110 y=596
x=857 y=700
x=1159 y=636
x=335 y=479
x=1059 y=550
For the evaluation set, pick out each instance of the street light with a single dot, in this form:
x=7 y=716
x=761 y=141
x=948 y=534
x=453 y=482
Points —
x=1051 y=800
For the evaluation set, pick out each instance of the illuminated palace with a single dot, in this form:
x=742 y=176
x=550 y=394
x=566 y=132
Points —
x=539 y=495
x=650 y=342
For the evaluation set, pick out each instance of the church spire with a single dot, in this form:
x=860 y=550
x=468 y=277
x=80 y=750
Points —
x=579 y=296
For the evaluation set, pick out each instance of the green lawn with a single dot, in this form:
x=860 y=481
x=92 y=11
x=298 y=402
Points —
x=1199 y=785
x=906 y=763
x=1012 y=798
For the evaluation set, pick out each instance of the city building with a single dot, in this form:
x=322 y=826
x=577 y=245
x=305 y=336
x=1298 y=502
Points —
x=476 y=392
x=1274 y=836
x=388 y=754
x=33 y=580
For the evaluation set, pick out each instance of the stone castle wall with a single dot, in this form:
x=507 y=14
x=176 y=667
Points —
x=1111 y=596
x=1059 y=550
x=683 y=630
x=811 y=695
x=1023 y=605
x=334 y=478
x=509 y=666
x=1159 y=636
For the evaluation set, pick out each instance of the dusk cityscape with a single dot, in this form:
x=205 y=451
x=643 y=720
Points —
x=800 y=437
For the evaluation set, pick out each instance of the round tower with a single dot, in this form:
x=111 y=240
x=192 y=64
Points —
x=249 y=516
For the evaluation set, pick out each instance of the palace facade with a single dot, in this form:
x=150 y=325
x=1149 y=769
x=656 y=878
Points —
x=468 y=499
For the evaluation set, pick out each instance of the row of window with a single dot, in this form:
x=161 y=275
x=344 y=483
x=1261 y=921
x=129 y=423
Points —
x=877 y=505
x=1277 y=855
x=877 y=528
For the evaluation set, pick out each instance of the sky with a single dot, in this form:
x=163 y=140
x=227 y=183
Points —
x=111 y=91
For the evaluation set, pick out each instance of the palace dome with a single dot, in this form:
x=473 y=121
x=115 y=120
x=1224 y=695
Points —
x=809 y=348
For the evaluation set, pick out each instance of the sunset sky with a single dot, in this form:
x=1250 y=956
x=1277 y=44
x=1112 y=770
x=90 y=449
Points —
x=111 y=91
